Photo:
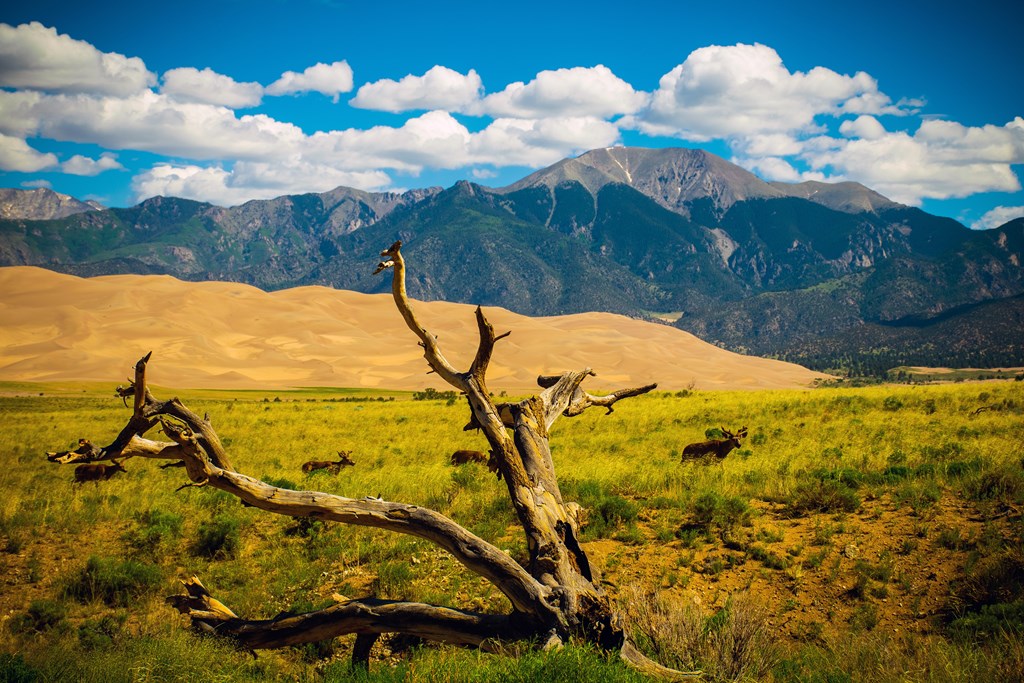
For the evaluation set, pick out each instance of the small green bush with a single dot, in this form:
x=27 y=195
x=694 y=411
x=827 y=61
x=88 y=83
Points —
x=96 y=634
x=219 y=538
x=823 y=495
x=116 y=582
x=152 y=527
x=14 y=669
x=713 y=511
x=42 y=615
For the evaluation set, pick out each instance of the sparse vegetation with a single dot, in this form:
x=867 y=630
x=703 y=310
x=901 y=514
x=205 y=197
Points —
x=836 y=476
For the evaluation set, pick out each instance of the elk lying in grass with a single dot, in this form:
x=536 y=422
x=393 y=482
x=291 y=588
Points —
x=96 y=472
x=332 y=466
x=719 y=448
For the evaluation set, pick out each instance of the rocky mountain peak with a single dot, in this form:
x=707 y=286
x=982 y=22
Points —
x=40 y=204
x=673 y=177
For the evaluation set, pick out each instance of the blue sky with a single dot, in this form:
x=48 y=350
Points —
x=225 y=101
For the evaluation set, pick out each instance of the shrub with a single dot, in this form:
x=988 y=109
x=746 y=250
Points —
x=218 y=538
x=100 y=633
x=14 y=669
x=117 y=583
x=153 y=526
x=823 y=495
x=713 y=511
x=42 y=615
x=767 y=557
x=733 y=644
x=608 y=511
x=990 y=621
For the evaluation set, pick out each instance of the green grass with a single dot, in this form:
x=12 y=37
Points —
x=120 y=546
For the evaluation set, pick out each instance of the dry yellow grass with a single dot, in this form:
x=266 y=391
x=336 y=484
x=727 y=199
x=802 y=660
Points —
x=56 y=327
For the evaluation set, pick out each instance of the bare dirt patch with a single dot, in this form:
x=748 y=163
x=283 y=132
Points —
x=883 y=568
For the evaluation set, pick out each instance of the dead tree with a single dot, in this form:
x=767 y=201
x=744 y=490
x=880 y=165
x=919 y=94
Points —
x=555 y=597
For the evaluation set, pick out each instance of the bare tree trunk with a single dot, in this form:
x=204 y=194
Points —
x=557 y=596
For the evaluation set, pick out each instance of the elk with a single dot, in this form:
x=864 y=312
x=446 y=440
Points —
x=462 y=457
x=717 y=447
x=95 y=472
x=332 y=466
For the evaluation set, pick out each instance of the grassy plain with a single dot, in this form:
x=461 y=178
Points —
x=859 y=534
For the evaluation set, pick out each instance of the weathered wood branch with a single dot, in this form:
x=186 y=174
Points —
x=522 y=590
x=364 y=616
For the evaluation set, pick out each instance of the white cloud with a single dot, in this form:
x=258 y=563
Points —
x=17 y=155
x=156 y=123
x=576 y=92
x=483 y=173
x=539 y=142
x=33 y=184
x=187 y=84
x=248 y=181
x=35 y=57
x=84 y=166
x=772 y=144
x=772 y=168
x=997 y=217
x=865 y=127
x=745 y=90
x=328 y=79
x=17 y=113
x=438 y=88
x=356 y=158
x=942 y=159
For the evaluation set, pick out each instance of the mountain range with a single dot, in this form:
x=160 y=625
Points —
x=832 y=275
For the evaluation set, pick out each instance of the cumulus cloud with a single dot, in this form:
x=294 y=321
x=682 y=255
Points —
x=745 y=90
x=153 y=122
x=997 y=217
x=865 y=127
x=328 y=79
x=33 y=184
x=539 y=142
x=84 y=166
x=17 y=113
x=187 y=84
x=248 y=181
x=576 y=92
x=942 y=159
x=17 y=155
x=438 y=88
x=36 y=57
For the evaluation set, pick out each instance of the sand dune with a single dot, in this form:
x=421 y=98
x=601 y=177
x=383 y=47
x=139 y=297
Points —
x=56 y=327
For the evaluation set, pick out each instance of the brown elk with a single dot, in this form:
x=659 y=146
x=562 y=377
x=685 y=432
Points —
x=96 y=472
x=716 y=447
x=462 y=457
x=332 y=466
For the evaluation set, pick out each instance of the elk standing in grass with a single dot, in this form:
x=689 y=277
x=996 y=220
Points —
x=96 y=472
x=462 y=457
x=719 y=448
x=332 y=466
